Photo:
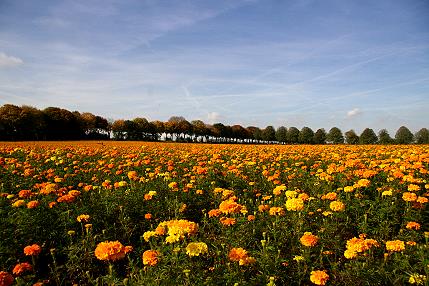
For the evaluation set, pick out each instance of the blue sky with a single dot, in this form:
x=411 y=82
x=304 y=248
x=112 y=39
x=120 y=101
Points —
x=351 y=64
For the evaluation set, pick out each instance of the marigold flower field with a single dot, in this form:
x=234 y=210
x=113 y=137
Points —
x=131 y=213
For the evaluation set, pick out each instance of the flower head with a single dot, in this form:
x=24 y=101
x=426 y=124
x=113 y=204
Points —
x=150 y=257
x=196 y=248
x=319 y=277
x=21 y=268
x=32 y=250
x=5 y=278
x=308 y=239
x=110 y=251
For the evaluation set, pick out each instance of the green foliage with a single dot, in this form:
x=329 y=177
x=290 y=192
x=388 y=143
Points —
x=351 y=137
x=404 y=136
x=368 y=137
x=335 y=136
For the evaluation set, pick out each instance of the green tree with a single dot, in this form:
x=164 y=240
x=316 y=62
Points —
x=293 y=135
x=351 y=137
x=306 y=135
x=368 y=136
x=422 y=136
x=320 y=136
x=404 y=136
x=384 y=137
x=281 y=134
x=269 y=134
x=335 y=136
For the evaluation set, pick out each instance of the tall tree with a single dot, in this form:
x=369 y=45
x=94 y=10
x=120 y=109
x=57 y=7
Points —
x=320 y=136
x=351 y=137
x=368 y=137
x=404 y=136
x=293 y=135
x=255 y=132
x=422 y=136
x=306 y=135
x=335 y=136
x=10 y=117
x=384 y=137
x=281 y=134
x=269 y=133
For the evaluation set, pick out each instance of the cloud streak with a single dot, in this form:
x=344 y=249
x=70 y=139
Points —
x=9 y=61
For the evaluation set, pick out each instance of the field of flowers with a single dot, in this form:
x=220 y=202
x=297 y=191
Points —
x=128 y=213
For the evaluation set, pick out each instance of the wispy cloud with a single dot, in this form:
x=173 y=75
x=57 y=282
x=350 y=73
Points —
x=9 y=61
x=354 y=112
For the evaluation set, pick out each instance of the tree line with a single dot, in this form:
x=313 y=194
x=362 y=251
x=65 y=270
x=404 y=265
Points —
x=54 y=123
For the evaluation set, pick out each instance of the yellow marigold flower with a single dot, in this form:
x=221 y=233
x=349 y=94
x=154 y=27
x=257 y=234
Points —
x=326 y=213
x=395 y=245
x=83 y=218
x=413 y=225
x=319 y=277
x=417 y=279
x=363 y=182
x=291 y=194
x=196 y=248
x=150 y=257
x=308 y=239
x=18 y=203
x=298 y=258
x=276 y=211
x=387 y=193
x=350 y=254
x=422 y=200
x=413 y=188
x=348 y=189
x=172 y=185
x=278 y=190
x=337 y=206
x=409 y=197
x=110 y=251
x=148 y=234
x=172 y=238
x=294 y=204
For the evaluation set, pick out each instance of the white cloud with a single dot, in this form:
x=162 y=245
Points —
x=213 y=117
x=9 y=61
x=354 y=112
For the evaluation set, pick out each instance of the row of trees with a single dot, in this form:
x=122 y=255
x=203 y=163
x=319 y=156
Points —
x=53 y=123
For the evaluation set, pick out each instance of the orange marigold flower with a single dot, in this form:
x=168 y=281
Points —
x=227 y=221
x=413 y=225
x=319 y=277
x=6 y=279
x=409 y=197
x=83 y=218
x=230 y=207
x=250 y=217
x=337 y=206
x=33 y=204
x=21 y=268
x=422 y=200
x=413 y=188
x=241 y=256
x=148 y=216
x=132 y=175
x=395 y=245
x=214 y=213
x=110 y=251
x=276 y=211
x=33 y=249
x=308 y=239
x=25 y=194
x=263 y=208
x=332 y=196
x=150 y=257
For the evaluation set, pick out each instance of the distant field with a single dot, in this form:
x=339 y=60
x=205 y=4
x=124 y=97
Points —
x=133 y=213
